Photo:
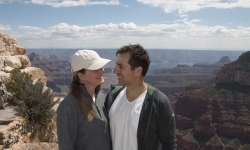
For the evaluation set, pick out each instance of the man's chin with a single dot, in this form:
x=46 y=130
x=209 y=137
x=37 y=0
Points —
x=121 y=84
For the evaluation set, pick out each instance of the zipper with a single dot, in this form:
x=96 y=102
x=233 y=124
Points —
x=93 y=102
x=98 y=110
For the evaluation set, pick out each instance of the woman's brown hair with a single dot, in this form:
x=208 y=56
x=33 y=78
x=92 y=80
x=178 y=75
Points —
x=76 y=91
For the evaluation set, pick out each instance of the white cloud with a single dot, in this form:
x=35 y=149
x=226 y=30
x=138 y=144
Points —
x=195 y=20
x=65 y=3
x=4 y=28
x=29 y=28
x=183 y=6
x=125 y=5
x=8 y=1
x=184 y=33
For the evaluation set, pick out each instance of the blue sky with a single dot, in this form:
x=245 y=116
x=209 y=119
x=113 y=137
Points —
x=164 y=24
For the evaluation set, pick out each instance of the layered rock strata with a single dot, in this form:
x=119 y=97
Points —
x=176 y=79
x=216 y=115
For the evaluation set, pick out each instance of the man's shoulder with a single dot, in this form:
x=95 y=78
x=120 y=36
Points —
x=114 y=91
x=116 y=88
x=159 y=96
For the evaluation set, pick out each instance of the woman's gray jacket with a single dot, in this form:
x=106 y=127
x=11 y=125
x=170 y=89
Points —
x=74 y=130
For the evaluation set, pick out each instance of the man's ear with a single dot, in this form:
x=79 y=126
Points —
x=138 y=70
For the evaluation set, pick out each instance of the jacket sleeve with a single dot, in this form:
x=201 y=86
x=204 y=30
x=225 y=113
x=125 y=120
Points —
x=67 y=123
x=166 y=123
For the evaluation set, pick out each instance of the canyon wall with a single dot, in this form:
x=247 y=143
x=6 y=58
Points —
x=215 y=115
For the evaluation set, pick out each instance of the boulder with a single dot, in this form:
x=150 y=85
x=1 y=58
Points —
x=36 y=74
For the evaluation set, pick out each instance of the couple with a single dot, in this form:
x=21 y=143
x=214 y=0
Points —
x=86 y=122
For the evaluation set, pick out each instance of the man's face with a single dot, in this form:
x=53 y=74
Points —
x=123 y=70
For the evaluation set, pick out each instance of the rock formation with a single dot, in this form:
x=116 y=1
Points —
x=216 y=115
x=9 y=46
x=59 y=73
x=12 y=56
x=169 y=81
x=236 y=75
x=176 y=79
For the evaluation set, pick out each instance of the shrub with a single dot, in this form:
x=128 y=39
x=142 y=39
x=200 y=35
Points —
x=24 y=63
x=18 y=82
x=38 y=104
x=234 y=143
x=246 y=147
x=225 y=140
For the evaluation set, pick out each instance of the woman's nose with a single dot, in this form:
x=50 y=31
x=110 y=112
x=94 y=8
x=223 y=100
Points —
x=101 y=70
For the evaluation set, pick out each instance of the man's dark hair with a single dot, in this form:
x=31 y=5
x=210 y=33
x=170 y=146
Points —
x=139 y=57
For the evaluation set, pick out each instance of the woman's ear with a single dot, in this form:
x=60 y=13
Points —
x=80 y=76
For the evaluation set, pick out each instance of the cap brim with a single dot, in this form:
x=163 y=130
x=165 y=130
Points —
x=98 y=64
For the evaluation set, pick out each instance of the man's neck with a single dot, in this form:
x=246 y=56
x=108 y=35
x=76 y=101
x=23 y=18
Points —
x=134 y=91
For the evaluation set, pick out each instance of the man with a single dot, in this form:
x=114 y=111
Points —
x=3 y=93
x=133 y=125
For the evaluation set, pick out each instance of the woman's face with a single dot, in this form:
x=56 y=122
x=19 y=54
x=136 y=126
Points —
x=92 y=77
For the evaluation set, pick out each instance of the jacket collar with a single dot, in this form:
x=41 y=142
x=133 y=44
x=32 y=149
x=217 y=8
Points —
x=85 y=92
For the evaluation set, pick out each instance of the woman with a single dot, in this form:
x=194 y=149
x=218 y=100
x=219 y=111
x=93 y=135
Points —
x=81 y=116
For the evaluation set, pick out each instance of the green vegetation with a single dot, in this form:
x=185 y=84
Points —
x=185 y=132
x=24 y=63
x=37 y=108
x=234 y=143
x=215 y=140
x=225 y=140
x=246 y=147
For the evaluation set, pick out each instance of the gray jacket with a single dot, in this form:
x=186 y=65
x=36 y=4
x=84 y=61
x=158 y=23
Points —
x=75 y=132
x=161 y=134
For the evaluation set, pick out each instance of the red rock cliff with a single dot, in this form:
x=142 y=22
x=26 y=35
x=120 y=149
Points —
x=216 y=115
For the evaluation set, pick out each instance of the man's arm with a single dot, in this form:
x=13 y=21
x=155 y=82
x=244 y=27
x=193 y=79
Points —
x=166 y=125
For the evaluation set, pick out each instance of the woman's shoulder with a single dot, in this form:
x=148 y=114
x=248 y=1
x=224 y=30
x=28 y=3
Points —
x=68 y=101
x=101 y=94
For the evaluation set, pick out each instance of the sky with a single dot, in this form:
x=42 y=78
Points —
x=155 y=24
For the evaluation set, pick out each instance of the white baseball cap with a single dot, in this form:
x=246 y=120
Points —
x=87 y=59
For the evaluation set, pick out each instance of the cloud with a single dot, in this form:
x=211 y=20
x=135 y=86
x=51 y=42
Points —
x=4 y=28
x=182 y=33
x=29 y=28
x=8 y=1
x=65 y=3
x=183 y=6
x=125 y=5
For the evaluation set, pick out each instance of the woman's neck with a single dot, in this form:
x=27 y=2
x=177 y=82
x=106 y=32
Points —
x=91 y=91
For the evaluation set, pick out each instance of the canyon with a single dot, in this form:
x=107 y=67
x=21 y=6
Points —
x=215 y=115
x=209 y=91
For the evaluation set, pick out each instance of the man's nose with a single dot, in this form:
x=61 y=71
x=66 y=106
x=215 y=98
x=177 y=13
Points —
x=115 y=70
